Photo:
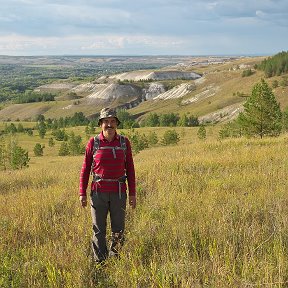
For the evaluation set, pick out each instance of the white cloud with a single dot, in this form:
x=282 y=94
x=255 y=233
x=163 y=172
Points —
x=139 y=41
x=151 y=26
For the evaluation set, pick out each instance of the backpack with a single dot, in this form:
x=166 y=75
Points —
x=97 y=144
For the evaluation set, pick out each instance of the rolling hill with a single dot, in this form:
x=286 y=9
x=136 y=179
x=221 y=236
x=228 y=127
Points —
x=213 y=90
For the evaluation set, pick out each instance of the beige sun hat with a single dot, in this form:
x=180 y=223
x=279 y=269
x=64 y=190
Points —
x=106 y=113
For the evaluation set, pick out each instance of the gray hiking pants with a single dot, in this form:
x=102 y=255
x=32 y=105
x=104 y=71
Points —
x=101 y=205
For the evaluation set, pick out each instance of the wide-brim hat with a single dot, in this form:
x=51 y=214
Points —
x=106 y=113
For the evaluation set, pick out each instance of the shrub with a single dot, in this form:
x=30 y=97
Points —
x=17 y=156
x=138 y=141
x=170 y=137
x=38 y=149
x=152 y=138
x=201 y=132
x=64 y=149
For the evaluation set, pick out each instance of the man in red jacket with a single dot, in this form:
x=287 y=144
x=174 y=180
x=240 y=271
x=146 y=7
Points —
x=108 y=158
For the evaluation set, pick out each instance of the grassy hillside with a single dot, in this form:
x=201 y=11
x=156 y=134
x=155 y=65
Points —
x=219 y=88
x=210 y=214
x=223 y=83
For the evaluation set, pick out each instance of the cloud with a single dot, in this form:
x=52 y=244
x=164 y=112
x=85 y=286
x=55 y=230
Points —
x=154 y=26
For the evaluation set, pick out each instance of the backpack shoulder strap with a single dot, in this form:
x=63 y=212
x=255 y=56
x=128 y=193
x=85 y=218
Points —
x=95 y=148
x=123 y=144
x=96 y=144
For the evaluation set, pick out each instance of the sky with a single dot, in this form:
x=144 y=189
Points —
x=143 y=27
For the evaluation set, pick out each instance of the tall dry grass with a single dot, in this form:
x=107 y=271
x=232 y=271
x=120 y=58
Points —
x=210 y=214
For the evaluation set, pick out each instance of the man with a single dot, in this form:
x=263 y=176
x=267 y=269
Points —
x=109 y=158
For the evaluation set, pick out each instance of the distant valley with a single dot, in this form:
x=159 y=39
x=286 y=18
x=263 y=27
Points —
x=211 y=88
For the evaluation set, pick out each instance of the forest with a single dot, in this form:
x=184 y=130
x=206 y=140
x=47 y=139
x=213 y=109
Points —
x=276 y=65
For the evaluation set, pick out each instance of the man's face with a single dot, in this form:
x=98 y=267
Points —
x=109 y=124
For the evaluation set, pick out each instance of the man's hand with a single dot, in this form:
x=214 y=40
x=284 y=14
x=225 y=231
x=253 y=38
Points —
x=132 y=201
x=83 y=201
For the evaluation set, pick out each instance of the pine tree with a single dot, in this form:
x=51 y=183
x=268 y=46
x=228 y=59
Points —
x=75 y=145
x=51 y=142
x=152 y=138
x=18 y=156
x=183 y=121
x=42 y=129
x=64 y=149
x=201 y=132
x=170 y=137
x=262 y=114
x=38 y=149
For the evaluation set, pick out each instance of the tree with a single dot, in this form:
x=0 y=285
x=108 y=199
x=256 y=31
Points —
x=18 y=157
x=38 y=149
x=11 y=128
x=64 y=149
x=275 y=84
x=201 y=132
x=75 y=144
x=284 y=81
x=170 y=119
x=126 y=119
x=60 y=135
x=170 y=137
x=42 y=129
x=139 y=141
x=152 y=120
x=262 y=114
x=231 y=129
x=40 y=118
x=152 y=138
x=276 y=65
x=20 y=128
x=29 y=131
x=90 y=129
x=247 y=73
x=51 y=142
x=183 y=121
x=193 y=121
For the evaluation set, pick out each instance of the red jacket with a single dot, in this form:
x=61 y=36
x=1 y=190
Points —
x=108 y=167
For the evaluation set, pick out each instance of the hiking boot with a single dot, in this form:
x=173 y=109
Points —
x=117 y=240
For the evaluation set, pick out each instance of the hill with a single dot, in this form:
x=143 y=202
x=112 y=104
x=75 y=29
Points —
x=209 y=214
x=211 y=88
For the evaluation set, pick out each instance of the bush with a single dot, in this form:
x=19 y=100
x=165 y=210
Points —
x=275 y=84
x=13 y=156
x=38 y=149
x=75 y=145
x=152 y=138
x=51 y=142
x=138 y=141
x=170 y=137
x=247 y=73
x=64 y=149
x=60 y=135
x=201 y=132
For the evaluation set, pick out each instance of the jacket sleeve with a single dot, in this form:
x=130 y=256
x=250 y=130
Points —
x=130 y=171
x=86 y=168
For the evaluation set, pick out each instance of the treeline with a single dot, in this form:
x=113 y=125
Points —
x=275 y=66
x=30 y=97
x=169 y=120
x=78 y=119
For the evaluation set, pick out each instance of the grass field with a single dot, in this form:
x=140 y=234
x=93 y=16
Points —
x=210 y=214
